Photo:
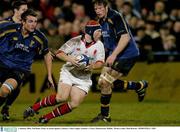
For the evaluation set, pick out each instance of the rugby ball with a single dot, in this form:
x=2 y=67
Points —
x=83 y=60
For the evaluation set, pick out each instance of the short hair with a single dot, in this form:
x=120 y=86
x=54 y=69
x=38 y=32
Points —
x=17 y=3
x=104 y=2
x=29 y=12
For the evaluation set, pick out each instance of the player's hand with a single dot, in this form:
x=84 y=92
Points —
x=52 y=52
x=89 y=68
x=110 y=60
x=74 y=61
x=50 y=82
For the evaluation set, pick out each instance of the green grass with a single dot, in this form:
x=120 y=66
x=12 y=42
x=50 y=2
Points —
x=125 y=111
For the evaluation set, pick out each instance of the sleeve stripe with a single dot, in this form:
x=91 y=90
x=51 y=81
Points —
x=4 y=21
x=38 y=39
x=8 y=31
x=124 y=23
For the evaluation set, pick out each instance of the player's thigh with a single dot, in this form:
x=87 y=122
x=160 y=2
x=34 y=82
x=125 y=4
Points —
x=63 y=91
x=124 y=65
x=77 y=96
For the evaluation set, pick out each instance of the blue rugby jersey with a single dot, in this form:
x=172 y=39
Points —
x=112 y=29
x=6 y=22
x=17 y=51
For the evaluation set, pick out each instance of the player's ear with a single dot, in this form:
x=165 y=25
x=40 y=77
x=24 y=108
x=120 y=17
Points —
x=106 y=7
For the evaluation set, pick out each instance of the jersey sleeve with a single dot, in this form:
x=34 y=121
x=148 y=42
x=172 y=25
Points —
x=7 y=27
x=120 y=24
x=68 y=47
x=45 y=48
x=100 y=55
x=43 y=42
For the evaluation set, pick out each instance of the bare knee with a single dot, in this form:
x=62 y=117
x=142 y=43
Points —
x=106 y=87
x=5 y=89
x=4 y=92
x=61 y=98
x=74 y=104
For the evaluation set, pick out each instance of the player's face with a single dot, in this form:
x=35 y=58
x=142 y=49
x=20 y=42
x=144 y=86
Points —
x=101 y=10
x=21 y=10
x=30 y=24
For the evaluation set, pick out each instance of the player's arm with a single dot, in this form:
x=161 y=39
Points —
x=122 y=32
x=67 y=58
x=99 y=58
x=123 y=42
x=64 y=52
x=47 y=55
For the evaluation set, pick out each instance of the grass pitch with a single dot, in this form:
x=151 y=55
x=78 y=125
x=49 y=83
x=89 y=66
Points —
x=125 y=111
x=161 y=106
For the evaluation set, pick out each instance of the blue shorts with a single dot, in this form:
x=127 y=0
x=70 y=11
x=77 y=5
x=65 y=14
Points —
x=124 y=65
x=6 y=73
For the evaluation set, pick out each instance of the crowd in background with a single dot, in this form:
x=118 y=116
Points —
x=155 y=24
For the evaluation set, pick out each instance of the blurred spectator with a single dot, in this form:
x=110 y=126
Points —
x=67 y=32
x=159 y=11
x=127 y=9
x=144 y=42
x=67 y=10
x=7 y=14
x=168 y=51
x=79 y=11
x=47 y=8
x=159 y=17
x=133 y=25
x=176 y=33
x=150 y=29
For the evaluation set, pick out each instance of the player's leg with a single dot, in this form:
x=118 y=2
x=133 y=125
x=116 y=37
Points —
x=8 y=102
x=124 y=66
x=6 y=88
x=12 y=82
x=51 y=100
x=77 y=96
x=138 y=86
x=105 y=83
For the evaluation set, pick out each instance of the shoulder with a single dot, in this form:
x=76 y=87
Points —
x=99 y=42
x=114 y=15
x=39 y=33
x=39 y=36
x=76 y=39
x=9 y=25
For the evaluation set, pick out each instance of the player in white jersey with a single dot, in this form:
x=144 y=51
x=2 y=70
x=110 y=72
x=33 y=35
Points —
x=74 y=81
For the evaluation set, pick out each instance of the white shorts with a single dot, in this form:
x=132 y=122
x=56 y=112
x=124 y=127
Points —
x=67 y=78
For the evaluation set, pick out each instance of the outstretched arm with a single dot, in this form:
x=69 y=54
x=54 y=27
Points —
x=48 y=62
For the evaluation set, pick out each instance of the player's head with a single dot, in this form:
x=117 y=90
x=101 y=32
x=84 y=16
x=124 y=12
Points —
x=100 y=7
x=93 y=29
x=19 y=6
x=29 y=20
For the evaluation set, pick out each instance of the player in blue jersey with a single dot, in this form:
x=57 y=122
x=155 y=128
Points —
x=18 y=7
x=20 y=43
x=121 y=55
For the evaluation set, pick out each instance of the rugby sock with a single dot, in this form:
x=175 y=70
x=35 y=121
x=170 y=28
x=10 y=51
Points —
x=47 y=101
x=105 y=100
x=12 y=97
x=130 y=85
x=2 y=100
x=59 y=111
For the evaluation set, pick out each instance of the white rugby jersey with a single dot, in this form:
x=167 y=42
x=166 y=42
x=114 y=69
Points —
x=76 y=46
